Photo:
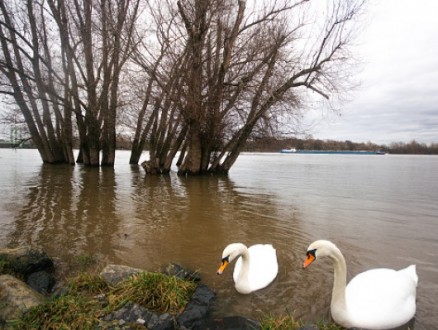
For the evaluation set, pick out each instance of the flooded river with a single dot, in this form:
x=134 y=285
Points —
x=381 y=211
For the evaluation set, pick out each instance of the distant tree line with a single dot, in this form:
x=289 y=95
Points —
x=193 y=80
x=412 y=147
x=271 y=144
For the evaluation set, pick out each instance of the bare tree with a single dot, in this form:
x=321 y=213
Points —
x=27 y=64
x=245 y=68
x=97 y=51
x=66 y=58
x=157 y=121
x=211 y=74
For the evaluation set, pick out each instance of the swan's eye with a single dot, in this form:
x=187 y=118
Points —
x=311 y=253
x=310 y=258
x=223 y=265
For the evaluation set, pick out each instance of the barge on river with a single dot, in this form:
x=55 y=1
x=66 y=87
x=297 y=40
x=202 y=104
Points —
x=337 y=152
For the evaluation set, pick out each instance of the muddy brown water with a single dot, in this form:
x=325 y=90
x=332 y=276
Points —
x=381 y=211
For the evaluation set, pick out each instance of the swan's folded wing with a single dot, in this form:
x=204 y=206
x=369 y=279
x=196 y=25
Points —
x=263 y=267
x=386 y=294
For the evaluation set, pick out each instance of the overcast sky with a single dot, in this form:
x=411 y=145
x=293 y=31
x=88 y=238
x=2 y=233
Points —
x=398 y=96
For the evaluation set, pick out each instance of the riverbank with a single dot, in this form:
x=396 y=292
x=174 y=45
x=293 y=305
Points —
x=118 y=297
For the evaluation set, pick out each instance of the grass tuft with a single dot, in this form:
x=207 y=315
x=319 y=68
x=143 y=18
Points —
x=329 y=326
x=84 y=261
x=270 y=322
x=154 y=291
x=64 y=312
x=88 y=284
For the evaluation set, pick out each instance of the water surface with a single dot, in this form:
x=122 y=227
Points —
x=380 y=210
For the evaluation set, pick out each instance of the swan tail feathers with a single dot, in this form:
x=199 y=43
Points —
x=412 y=273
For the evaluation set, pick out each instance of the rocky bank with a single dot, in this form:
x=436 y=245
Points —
x=33 y=280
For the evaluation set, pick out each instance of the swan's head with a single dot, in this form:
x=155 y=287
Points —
x=230 y=253
x=320 y=248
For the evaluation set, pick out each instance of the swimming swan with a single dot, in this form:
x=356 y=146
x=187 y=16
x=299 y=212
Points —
x=256 y=268
x=376 y=299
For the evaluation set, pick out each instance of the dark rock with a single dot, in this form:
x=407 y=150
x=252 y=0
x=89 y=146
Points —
x=114 y=274
x=41 y=281
x=165 y=322
x=231 y=323
x=25 y=260
x=197 y=309
x=203 y=295
x=134 y=313
x=173 y=269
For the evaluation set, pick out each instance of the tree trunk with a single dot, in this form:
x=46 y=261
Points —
x=192 y=160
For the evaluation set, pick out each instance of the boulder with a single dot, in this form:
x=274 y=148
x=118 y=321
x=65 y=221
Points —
x=114 y=274
x=173 y=269
x=16 y=297
x=41 y=281
x=27 y=260
x=197 y=309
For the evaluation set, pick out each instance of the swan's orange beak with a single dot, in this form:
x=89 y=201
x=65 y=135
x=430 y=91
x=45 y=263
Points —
x=222 y=267
x=310 y=258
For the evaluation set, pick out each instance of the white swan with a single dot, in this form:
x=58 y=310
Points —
x=376 y=299
x=256 y=268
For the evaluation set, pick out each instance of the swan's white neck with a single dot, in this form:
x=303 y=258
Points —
x=242 y=279
x=338 y=302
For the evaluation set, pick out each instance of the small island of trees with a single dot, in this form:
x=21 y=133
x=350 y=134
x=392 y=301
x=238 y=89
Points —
x=193 y=79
